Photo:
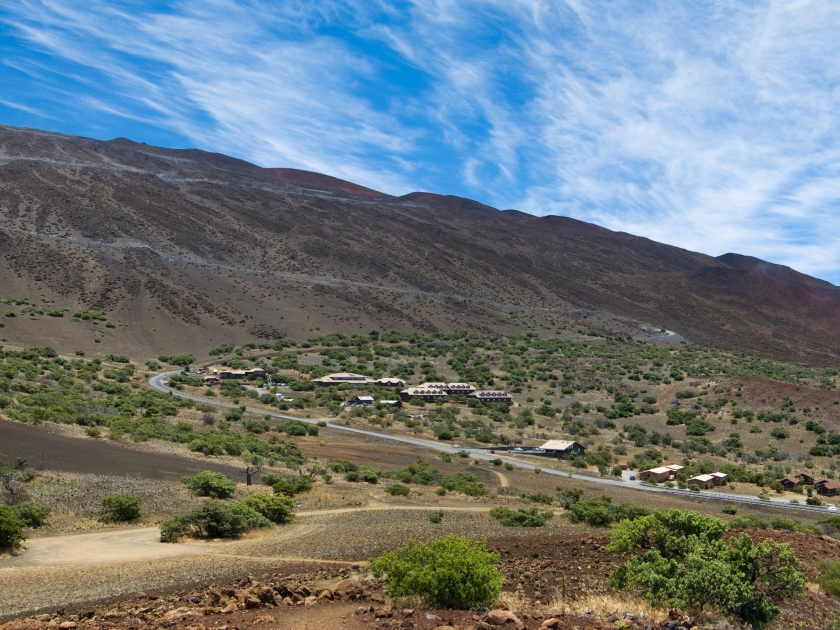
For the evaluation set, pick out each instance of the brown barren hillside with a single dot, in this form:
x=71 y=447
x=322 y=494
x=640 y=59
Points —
x=186 y=249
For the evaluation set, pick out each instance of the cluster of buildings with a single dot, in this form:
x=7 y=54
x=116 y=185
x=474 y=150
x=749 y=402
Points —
x=428 y=392
x=670 y=472
x=827 y=487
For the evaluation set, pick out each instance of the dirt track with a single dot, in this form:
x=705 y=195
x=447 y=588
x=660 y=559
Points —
x=47 y=450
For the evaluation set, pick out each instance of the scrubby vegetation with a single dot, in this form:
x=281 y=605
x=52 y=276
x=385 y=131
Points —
x=121 y=508
x=522 y=517
x=210 y=484
x=450 y=572
x=679 y=559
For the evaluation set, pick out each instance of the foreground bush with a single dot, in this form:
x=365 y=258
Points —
x=679 y=559
x=120 y=508
x=32 y=514
x=210 y=484
x=214 y=519
x=523 y=517
x=451 y=572
x=11 y=528
x=277 y=509
x=398 y=490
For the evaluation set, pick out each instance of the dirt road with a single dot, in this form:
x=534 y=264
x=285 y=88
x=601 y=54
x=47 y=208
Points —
x=136 y=545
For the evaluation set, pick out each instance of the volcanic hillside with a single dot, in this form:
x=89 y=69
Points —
x=184 y=249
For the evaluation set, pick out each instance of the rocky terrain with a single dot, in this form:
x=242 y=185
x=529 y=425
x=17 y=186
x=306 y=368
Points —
x=189 y=249
x=547 y=585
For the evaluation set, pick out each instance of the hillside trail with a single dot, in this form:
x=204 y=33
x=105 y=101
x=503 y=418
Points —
x=143 y=544
x=503 y=480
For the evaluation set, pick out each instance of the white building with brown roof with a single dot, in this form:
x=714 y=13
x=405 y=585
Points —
x=427 y=394
x=489 y=396
x=343 y=378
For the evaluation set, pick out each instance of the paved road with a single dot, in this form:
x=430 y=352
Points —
x=157 y=382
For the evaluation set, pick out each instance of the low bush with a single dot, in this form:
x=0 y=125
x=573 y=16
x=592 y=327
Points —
x=270 y=478
x=748 y=522
x=295 y=428
x=522 y=517
x=600 y=511
x=451 y=572
x=31 y=513
x=213 y=519
x=465 y=483
x=398 y=490
x=540 y=497
x=210 y=484
x=298 y=485
x=120 y=508
x=277 y=509
x=435 y=516
x=11 y=528
x=729 y=509
x=829 y=578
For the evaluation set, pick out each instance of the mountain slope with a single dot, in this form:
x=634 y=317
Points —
x=205 y=248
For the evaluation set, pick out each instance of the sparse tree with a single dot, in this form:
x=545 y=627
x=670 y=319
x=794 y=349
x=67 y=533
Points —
x=255 y=465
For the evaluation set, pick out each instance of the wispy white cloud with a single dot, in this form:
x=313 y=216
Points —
x=711 y=125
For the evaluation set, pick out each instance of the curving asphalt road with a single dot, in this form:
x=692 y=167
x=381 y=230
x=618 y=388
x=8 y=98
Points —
x=157 y=382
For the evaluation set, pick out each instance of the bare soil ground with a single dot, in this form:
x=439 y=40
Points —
x=48 y=449
x=538 y=568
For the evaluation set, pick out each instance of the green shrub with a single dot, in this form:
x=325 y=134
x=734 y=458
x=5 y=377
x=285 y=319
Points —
x=303 y=483
x=748 y=522
x=277 y=509
x=729 y=509
x=364 y=473
x=784 y=524
x=436 y=516
x=32 y=514
x=451 y=572
x=680 y=560
x=270 y=478
x=444 y=456
x=213 y=519
x=421 y=473
x=11 y=528
x=210 y=484
x=594 y=511
x=522 y=517
x=283 y=487
x=465 y=483
x=813 y=501
x=540 y=497
x=568 y=498
x=398 y=490
x=295 y=427
x=120 y=508
x=829 y=578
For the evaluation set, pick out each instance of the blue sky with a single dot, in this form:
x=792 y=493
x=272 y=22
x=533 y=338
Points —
x=708 y=124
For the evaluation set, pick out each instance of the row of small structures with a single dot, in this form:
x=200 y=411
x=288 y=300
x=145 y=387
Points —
x=826 y=487
x=670 y=472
